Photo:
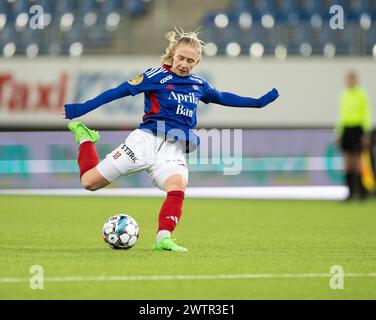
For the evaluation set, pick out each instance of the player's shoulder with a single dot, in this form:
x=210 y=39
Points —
x=155 y=73
x=198 y=79
x=150 y=76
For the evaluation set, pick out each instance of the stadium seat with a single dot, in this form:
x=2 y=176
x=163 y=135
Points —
x=89 y=22
x=294 y=23
x=286 y=11
x=271 y=22
x=356 y=9
x=259 y=8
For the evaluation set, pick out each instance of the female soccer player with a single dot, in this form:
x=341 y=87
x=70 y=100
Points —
x=172 y=94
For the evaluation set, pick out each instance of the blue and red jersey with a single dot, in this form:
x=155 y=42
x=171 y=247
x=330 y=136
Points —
x=171 y=102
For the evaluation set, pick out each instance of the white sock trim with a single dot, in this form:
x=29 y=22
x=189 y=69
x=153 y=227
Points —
x=162 y=234
x=84 y=140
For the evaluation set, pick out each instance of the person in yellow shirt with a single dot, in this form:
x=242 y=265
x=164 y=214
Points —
x=352 y=130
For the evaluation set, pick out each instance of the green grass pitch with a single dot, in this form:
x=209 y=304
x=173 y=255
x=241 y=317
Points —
x=224 y=237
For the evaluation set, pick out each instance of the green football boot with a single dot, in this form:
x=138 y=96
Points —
x=81 y=132
x=168 y=244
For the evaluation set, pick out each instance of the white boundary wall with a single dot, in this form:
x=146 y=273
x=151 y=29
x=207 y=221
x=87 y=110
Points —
x=33 y=91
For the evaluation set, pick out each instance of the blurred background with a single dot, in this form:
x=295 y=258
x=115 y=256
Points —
x=230 y=27
x=55 y=52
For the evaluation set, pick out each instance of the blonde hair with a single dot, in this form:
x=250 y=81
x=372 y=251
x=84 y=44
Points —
x=178 y=37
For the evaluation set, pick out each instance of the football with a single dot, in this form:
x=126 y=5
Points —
x=120 y=231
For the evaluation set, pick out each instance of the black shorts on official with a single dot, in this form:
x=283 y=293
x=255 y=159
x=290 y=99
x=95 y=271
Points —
x=352 y=139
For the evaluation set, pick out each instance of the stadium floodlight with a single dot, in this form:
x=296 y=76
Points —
x=305 y=49
x=90 y=19
x=9 y=50
x=245 y=21
x=316 y=21
x=256 y=50
x=374 y=50
x=233 y=49
x=3 y=21
x=112 y=21
x=267 y=21
x=280 y=52
x=221 y=20
x=365 y=21
x=76 y=49
x=21 y=21
x=329 y=50
x=66 y=22
x=32 y=50
x=211 y=49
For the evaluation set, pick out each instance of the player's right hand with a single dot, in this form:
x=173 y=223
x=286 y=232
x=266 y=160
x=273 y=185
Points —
x=273 y=94
x=269 y=97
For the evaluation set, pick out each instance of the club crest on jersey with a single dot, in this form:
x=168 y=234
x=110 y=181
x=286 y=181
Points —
x=195 y=87
x=137 y=80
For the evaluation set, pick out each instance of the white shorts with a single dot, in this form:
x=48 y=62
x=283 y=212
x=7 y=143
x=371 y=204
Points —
x=142 y=150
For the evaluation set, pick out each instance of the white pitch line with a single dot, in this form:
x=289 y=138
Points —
x=186 y=277
x=300 y=192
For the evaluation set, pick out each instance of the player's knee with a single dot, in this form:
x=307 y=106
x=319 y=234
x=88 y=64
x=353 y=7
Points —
x=89 y=184
x=175 y=183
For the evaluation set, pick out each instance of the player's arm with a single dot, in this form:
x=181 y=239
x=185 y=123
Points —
x=71 y=111
x=132 y=87
x=233 y=100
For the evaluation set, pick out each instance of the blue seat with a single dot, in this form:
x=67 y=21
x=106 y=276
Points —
x=19 y=7
x=239 y=6
x=47 y=5
x=6 y=35
x=98 y=37
x=64 y=6
x=134 y=8
x=111 y=6
x=356 y=9
x=371 y=39
x=87 y=6
x=296 y=35
x=308 y=8
x=259 y=8
x=286 y=11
